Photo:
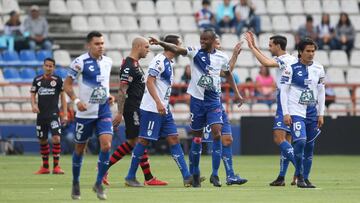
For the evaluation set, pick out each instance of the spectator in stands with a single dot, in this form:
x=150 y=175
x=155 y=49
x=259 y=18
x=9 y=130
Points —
x=245 y=17
x=37 y=26
x=15 y=32
x=345 y=33
x=225 y=17
x=205 y=18
x=326 y=33
x=265 y=86
x=307 y=30
x=248 y=91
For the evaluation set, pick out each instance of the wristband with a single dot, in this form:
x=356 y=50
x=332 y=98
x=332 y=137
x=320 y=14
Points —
x=76 y=101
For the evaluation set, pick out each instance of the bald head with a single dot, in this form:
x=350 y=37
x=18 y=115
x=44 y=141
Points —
x=139 y=41
x=140 y=47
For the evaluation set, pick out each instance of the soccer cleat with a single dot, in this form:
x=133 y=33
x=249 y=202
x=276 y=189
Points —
x=309 y=184
x=301 y=183
x=155 y=182
x=294 y=180
x=75 y=191
x=188 y=182
x=196 y=181
x=100 y=191
x=236 y=179
x=133 y=183
x=57 y=170
x=215 y=181
x=42 y=170
x=105 y=179
x=280 y=181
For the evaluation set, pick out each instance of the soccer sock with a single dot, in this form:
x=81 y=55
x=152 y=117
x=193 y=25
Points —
x=120 y=152
x=287 y=150
x=308 y=157
x=227 y=160
x=45 y=151
x=196 y=153
x=56 y=150
x=284 y=163
x=216 y=156
x=103 y=164
x=76 y=166
x=178 y=155
x=138 y=152
x=145 y=166
x=191 y=166
x=298 y=154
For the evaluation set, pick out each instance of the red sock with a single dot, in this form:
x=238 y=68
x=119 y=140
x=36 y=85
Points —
x=122 y=150
x=56 y=150
x=45 y=151
x=145 y=166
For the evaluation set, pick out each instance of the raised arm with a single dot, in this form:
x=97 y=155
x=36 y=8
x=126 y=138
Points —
x=168 y=46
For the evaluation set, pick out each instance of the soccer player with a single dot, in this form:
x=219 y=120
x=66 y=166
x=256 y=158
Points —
x=92 y=72
x=303 y=104
x=131 y=90
x=156 y=120
x=205 y=91
x=48 y=87
x=277 y=47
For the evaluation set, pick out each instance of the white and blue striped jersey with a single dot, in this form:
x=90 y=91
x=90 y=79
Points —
x=161 y=68
x=283 y=61
x=93 y=79
x=303 y=90
x=205 y=83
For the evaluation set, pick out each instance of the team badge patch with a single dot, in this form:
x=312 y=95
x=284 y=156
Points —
x=53 y=83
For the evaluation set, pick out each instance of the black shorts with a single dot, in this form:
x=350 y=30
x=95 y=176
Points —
x=132 y=124
x=43 y=126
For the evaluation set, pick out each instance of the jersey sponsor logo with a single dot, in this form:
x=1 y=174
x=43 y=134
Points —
x=39 y=83
x=130 y=79
x=88 y=61
x=100 y=78
x=54 y=124
x=53 y=83
x=98 y=96
x=300 y=73
x=46 y=91
x=126 y=70
x=203 y=58
x=278 y=124
x=91 y=68
x=284 y=79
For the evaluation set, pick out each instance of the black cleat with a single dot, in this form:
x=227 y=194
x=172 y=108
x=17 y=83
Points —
x=75 y=191
x=309 y=184
x=100 y=191
x=196 y=181
x=280 y=181
x=301 y=182
x=215 y=181
x=133 y=183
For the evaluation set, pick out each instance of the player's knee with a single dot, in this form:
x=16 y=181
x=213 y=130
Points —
x=227 y=140
x=279 y=136
x=56 y=139
x=80 y=149
x=143 y=141
x=132 y=141
x=173 y=140
x=216 y=136
x=43 y=141
x=105 y=146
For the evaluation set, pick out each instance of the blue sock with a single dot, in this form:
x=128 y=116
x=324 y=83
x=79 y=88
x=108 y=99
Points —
x=308 y=157
x=178 y=155
x=195 y=155
x=284 y=163
x=103 y=165
x=227 y=160
x=298 y=154
x=191 y=166
x=287 y=155
x=76 y=167
x=138 y=152
x=216 y=156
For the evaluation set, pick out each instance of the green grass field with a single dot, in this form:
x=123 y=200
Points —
x=337 y=178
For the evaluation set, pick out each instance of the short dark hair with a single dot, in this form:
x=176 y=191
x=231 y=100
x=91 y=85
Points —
x=303 y=43
x=281 y=40
x=172 y=39
x=93 y=34
x=50 y=59
x=205 y=2
x=309 y=18
x=211 y=32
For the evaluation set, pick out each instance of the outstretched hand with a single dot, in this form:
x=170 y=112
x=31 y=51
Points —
x=249 y=36
x=153 y=41
x=237 y=49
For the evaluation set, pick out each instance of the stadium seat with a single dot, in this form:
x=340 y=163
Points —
x=228 y=41
x=181 y=111
x=119 y=41
x=354 y=20
x=61 y=72
x=164 y=7
x=290 y=41
x=245 y=59
x=11 y=5
x=124 y=7
x=353 y=75
x=183 y=61
x=294 y=7
x=281 y=23
x=40 y=71
x=264 y=40
x=129 y=23
x=11 y=58
x=183 y=8
x=236 y=112
x=342 y=95
x=336 y=110
x=260 y=109
x=192 y=40
x=331 y=6
x=91 y=6
x=196 y=5
x=149 y=24
x=296 y=21
x=145 y=8
x=336 y=75
x=96 y=23
x=79 y=24
x=357 y=40
x=27 y=74
x=11 y=75
x=260 y=7
x=58 y=7
x=169 y=24
x=178 y=72
x=62 y=58
x=25 y=90
x=43 y=54
x=75 y=7
x=265 y=22
x=243 y=73
x=312 y=7
x=107 y=42
x=11 y=92
x=338 y=58
x=350 y=6
x=187 y=24
x=116 y=58
x=322 y=57
x=112 y=23
x=275 y=7
x=354 y=58
x=27 y=111
x=2 y=79
x=28 y=58
x=108 y=6
x=13 y=111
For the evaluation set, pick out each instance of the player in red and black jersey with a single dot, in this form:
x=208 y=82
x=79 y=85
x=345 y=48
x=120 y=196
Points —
x=48 y=87
x=131 y=90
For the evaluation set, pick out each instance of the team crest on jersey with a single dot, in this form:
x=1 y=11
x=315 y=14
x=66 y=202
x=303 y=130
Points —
x=77 y=67
x=130 y=79
x=297 y=133
x=53 y=83
x=149 y=132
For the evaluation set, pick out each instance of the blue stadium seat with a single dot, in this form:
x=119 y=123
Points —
x=2 y=63
x=27 y=74
x=11 y=58
x=28 y=58
x=43 y=54
x=40 y=71
x=62 y=72
x=11 y=75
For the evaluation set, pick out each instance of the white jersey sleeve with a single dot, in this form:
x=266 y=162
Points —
x=192 y=51
x=321 y=92
x=225 y=65
x=75 y=69
x=285 y=82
